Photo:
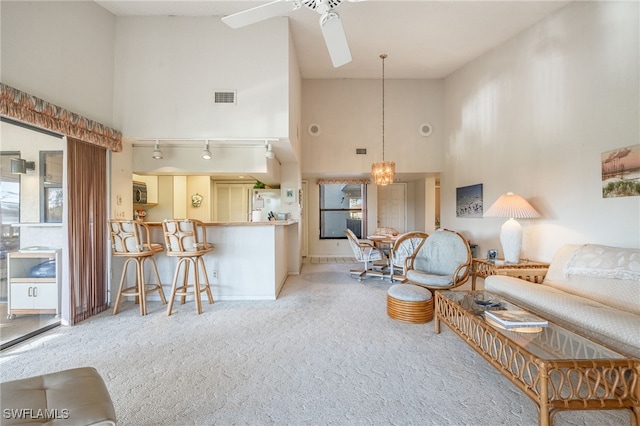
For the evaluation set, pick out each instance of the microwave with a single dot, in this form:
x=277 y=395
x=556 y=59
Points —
x=139 y=193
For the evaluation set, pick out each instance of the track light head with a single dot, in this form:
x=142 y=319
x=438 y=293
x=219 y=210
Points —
x=270 y=154
x=157 y=154
x=206 y=154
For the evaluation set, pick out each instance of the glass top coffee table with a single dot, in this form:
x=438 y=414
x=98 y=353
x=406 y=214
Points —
x=556 y=367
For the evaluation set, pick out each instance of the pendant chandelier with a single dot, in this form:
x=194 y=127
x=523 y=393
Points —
x=383 y=171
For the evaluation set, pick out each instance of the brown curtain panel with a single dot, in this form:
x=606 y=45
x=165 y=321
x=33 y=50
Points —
x=87 y=209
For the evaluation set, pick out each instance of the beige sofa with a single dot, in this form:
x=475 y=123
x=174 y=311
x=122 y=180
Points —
x=590 y=288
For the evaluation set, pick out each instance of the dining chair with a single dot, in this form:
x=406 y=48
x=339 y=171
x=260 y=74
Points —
x=404 y=246
x=365 y=252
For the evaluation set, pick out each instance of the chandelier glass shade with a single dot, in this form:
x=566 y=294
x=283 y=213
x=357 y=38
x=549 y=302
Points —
x=383 y=171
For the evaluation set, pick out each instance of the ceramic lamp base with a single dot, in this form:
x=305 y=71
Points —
x=511 y=240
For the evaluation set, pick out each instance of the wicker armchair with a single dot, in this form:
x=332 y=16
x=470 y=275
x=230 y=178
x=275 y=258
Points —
x=443 y=262
x=375 y=262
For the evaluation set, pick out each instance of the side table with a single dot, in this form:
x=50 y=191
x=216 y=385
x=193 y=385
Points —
x=483 y=268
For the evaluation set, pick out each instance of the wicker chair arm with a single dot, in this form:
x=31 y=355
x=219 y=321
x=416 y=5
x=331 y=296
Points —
x=461 y=275
x=365 y=244
x=408 y=262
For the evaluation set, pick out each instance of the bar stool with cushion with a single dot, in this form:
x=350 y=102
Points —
x=130 y=239
x=186 y=239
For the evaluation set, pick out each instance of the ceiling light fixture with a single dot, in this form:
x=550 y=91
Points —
x=157 y=154
x=269 y=154
x=206 y=154
x=383 y=171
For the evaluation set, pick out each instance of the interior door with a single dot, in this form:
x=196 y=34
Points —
x=392 y=206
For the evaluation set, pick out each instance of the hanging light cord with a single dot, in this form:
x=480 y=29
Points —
x=383 y=56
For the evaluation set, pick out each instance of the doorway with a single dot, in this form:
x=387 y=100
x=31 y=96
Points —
x=392 y=206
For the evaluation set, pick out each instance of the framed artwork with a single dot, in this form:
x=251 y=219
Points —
x=289 y=195
x=469 y=201
x=621 y=172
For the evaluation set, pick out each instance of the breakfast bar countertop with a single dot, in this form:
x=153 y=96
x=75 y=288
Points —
x=265 y=223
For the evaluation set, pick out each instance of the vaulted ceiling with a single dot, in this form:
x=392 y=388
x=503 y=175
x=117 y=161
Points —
x=423 y=38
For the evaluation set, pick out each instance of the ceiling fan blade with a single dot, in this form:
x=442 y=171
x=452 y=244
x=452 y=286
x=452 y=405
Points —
x=261 y=13
x=335 y=38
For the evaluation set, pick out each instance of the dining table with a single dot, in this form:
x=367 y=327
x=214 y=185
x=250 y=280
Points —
x=385 y=244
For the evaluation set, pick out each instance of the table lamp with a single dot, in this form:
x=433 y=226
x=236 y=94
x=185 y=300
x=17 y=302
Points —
x=513 y=207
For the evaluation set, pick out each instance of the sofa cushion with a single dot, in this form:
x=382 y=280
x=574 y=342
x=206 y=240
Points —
x=594 y=260
x=622 y=294
x=613 y=327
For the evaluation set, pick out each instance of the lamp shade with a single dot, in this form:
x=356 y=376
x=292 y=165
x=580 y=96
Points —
x=511 y=205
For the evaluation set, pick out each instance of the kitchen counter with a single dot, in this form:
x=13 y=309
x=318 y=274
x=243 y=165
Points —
x=250 y=260
x=265 y=223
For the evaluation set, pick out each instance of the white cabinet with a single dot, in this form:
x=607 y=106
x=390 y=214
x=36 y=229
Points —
x=231 y=201
x=34 y=283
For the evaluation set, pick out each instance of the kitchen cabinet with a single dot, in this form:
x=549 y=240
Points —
x=34 y=282
x=231 y=202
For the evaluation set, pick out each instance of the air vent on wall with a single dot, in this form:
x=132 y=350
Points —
x=361 y=150
x=225 y=97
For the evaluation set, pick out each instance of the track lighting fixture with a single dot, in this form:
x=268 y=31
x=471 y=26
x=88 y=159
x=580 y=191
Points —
x=157 y=154
x=269 y=153
x=206 y=154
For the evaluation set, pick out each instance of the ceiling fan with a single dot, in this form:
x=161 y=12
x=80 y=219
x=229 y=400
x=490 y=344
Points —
x=330 y=24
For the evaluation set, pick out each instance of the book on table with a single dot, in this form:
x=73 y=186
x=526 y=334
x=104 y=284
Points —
x=516 y=318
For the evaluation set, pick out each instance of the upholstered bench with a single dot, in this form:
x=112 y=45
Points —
x=410 y=303
x=71 y=397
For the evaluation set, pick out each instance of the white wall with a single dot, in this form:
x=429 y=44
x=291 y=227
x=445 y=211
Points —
x=349 y=113
x=62 y=52
x=168 y=68
x=533 y=116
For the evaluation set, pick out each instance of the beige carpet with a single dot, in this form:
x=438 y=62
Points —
x=324 y=353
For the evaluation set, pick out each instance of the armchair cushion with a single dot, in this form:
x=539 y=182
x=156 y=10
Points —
x=431 y=280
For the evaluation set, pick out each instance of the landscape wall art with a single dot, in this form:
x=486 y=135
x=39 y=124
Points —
x=621 y=172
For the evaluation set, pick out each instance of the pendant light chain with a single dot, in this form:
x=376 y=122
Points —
x=383 y=171
x=383 y=56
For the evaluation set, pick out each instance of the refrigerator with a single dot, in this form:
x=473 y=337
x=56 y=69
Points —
x=262 y=203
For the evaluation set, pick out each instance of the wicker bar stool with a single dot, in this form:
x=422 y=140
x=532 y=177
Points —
x=131 y=240
x=186 y=240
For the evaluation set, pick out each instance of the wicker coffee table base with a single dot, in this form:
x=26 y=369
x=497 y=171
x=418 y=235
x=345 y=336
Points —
x=580 y=384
